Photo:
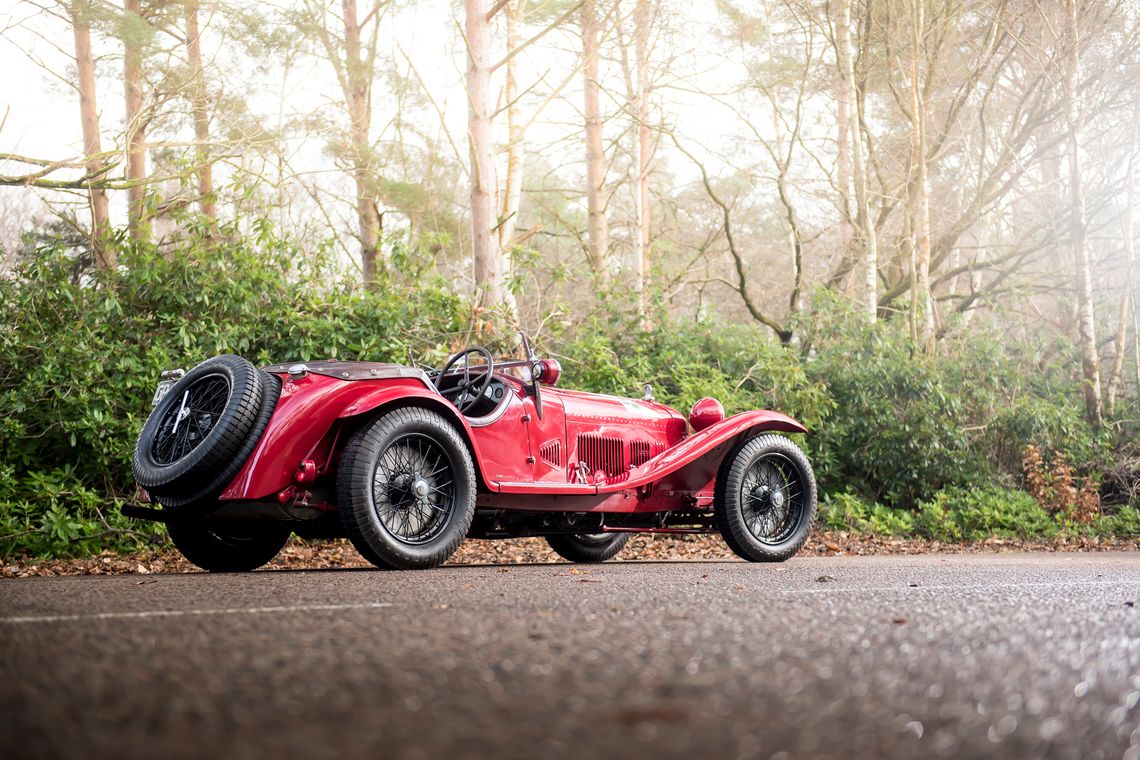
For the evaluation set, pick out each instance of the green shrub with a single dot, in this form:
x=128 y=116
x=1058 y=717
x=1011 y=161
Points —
x=1124 y=523
x=685 y=362
x=901 y=430
x=970 y=514
x=907 y=425
x=896 y=439
x=80 y=357
x=50 y=513
x=846 y=511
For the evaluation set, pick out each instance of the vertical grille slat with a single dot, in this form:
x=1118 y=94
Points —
x=600 y=452
x=641 y=452
x=551 y=453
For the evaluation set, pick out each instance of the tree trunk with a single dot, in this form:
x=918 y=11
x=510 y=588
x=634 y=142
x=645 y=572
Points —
x=199 y=105
x=644 y=157
x=1121 y=342
x=845 y=58
x=923 y=298
x=1130 y=228
x=491 y=291
x=89 y=117
x=843 y=157
x=597 y=229
x=1136 y=332
x=516 y=144
x=359 y=87
x=1078 y=233
x=781 y=150
x=134 y=126
x=1064 y=311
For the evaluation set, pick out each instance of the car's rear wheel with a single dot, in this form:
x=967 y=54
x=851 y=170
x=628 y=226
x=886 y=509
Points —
x=228 y=547
x=588 y=547
x=406 y=490
x=765 y=499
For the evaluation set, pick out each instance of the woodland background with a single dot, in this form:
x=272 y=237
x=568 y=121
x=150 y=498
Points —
x=910 y=223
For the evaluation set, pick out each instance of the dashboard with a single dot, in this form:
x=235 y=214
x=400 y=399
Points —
x=494 y=397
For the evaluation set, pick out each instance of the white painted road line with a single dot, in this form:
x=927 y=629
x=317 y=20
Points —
x=185 y=613
x=836 y=586
x=832 y=587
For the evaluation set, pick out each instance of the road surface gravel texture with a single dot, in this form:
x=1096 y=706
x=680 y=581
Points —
x=927 y=656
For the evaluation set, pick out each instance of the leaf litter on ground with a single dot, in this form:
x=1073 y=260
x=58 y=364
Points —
x=299 y=554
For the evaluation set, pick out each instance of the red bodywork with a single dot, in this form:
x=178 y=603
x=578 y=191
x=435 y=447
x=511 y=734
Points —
x=586 y=452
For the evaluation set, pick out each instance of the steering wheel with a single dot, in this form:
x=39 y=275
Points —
x=469 y=390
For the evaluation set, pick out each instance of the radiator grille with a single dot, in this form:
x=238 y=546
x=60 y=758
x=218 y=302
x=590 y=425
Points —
x=599 y=452
x=551 y=453
x=641 y=452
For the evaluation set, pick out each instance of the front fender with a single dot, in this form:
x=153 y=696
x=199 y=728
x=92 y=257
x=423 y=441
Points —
x=698 y=445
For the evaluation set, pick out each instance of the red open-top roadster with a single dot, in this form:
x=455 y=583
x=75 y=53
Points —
x=406 y=463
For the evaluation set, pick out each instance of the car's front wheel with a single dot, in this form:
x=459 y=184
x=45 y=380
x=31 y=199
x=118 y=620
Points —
x=231 y=547
x=765 y=499
x=406 y=490
x=588 y=547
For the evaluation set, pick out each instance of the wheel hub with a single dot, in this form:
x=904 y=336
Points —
x=406 y=488
x=190 y=418
x=767 y=498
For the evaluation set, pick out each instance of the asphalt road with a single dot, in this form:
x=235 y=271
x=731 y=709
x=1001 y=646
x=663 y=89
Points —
x=941 y=656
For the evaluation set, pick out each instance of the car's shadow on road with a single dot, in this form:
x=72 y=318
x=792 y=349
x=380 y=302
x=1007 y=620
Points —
x=500 y=565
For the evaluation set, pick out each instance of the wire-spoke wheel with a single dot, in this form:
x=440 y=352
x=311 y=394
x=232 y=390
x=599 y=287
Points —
x=201 y=433
x=588 y=547
x=765 y=499
x=413 y=488
x=406 y=490
x=187 y=423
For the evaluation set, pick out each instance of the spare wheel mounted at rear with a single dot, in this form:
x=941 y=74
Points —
x=199 y=435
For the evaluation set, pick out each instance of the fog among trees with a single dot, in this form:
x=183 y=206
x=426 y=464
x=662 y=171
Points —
x=947 y=165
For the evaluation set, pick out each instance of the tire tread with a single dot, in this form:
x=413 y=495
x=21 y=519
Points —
x=211 y=456
x=356 y=468
x=730 y=521
x=196 y=542
x=568 y=547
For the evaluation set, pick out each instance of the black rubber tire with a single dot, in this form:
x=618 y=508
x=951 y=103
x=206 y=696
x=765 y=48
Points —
x=587 y=547
x=221 y=445
x=233 y=547
x=271 y=393
x=356 y=500
x=728 y=502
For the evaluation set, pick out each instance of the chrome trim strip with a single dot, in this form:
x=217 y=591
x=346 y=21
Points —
x=496 y=414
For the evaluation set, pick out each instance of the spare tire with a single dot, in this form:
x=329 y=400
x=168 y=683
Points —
x=271 y=392
x=199 y=435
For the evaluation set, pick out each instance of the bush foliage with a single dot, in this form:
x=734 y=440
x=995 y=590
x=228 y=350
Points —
x=902 y=444
x=80 y=358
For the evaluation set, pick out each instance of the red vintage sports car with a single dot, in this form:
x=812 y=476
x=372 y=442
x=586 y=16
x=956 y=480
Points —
x=407 y=463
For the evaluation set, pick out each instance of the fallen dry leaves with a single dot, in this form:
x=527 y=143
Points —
x=312 y=555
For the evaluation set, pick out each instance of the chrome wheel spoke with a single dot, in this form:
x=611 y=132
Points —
x=413 y=490
x=189 y=421
x=772 y=498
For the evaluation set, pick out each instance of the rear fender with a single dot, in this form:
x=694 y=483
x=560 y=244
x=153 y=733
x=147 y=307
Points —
x=692 y=464
x=385 y=399
x=312 y=419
